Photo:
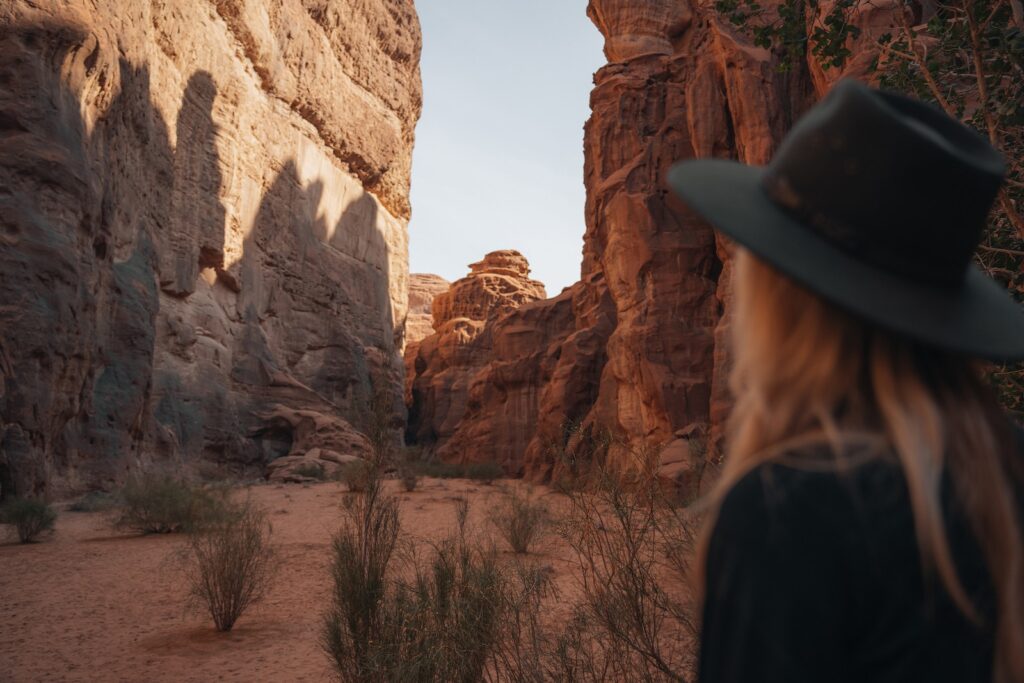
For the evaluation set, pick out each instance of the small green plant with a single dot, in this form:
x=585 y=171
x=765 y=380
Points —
x=311 y=470
x=29 y=516
x=94 y=501
x=521 y=520
x=484 y=472
x=230 y=563
x=162 y=504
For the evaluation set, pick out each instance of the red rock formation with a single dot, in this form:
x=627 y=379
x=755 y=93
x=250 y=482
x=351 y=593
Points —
x=639 y=346
x=419 y=324
x=445 y=363
x=423 y=288
x=203 y=211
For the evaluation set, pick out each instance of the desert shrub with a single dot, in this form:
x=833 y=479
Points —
x=410 y=480
x=632 y=549
x=455 y=614
x=161 y=504
x=358 y=475
x=29 y=516
x=519 y=519
x=484 y=472
x=359 y=632
x=311 y=471
x=230 y=563
x=94 y=501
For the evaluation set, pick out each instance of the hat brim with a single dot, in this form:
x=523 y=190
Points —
x=979 y=319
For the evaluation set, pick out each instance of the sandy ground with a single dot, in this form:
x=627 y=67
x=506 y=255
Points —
x=92 y=604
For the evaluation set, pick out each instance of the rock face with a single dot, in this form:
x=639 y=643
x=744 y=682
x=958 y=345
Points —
x=203 y=253
x=445 y=363
x=419 y=324
x=639 y=346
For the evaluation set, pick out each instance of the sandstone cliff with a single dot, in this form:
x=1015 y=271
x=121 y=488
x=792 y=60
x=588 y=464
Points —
x=445 y=364
x=419 y=323
x=204 y=249
x=638 y=346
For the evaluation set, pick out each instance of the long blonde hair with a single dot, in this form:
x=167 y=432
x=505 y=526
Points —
x=807 y=372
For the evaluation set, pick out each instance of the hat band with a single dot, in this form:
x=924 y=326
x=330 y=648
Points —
x=856 y=242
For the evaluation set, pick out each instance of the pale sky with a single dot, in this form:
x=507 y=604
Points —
x=498 y=161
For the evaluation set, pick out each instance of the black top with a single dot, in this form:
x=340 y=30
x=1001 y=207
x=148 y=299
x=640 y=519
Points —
x=815 y=575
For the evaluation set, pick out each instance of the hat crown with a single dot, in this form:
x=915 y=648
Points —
x=890 y=180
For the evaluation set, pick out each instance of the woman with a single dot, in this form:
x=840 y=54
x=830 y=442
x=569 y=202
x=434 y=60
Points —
x=868 y=521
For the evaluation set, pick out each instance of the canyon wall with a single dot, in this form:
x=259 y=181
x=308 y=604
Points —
x=638 y=347
x=441 y=368
x=203 y=253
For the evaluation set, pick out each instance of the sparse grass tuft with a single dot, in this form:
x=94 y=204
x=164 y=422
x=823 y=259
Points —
x=162 y=504
x=521 y=520
x=230 y=563
x=29 y=516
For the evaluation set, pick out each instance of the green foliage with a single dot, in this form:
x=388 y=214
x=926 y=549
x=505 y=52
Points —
x=966 y=57
x=230 y=563
x=161 y=504
x=520 y=519
x=29 y=516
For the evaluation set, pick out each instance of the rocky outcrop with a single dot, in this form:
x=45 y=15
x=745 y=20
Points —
x=203 y=247
x=464 y=317
x=423 y=288
x=419 y=322
x=638 y=347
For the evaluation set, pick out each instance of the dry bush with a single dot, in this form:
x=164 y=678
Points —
x=29 y=516
x=455 y=614
x=359 y=632
x=520 y=520
x=358 y=475
x=230 y=563
x=637 y=621
x=152 y=503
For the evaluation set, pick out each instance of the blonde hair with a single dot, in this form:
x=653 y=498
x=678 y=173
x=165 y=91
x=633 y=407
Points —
x=807 y=372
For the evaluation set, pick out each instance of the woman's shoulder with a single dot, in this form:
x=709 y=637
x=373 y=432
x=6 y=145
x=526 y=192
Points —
x=812 y=495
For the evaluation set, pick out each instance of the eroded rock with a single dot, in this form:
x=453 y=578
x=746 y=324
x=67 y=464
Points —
x=203 y=211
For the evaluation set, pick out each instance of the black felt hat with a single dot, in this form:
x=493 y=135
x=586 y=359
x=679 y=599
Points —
x=876 y=202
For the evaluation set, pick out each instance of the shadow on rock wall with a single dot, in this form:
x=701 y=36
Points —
x=124 y=336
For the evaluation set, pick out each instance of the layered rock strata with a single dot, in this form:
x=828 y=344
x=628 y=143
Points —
x=203 y=254
x=639 y=347
x=465 y=317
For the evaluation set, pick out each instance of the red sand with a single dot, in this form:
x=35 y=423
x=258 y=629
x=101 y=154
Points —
x=91 y=604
